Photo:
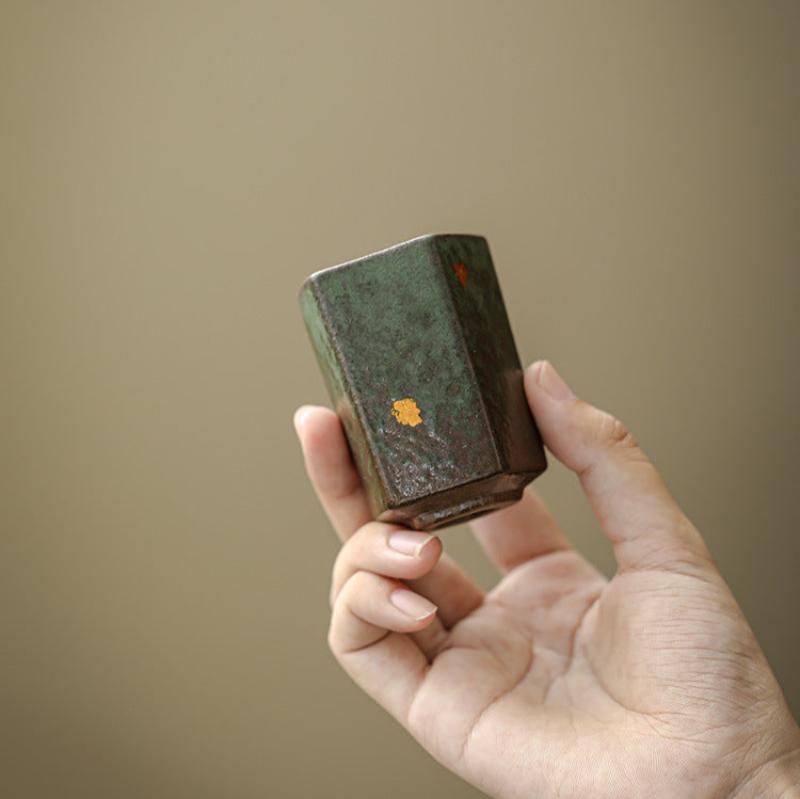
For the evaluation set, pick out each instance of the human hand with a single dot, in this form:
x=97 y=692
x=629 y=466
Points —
x=558 y=682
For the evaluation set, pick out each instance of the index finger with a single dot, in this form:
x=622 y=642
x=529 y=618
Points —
x=331 y=470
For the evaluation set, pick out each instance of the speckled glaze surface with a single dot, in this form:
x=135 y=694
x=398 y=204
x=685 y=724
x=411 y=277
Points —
x=420 y=363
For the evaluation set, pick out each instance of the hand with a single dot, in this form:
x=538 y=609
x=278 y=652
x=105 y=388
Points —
x=558 y=682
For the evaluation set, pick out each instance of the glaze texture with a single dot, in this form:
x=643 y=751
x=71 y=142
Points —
x=418 y=356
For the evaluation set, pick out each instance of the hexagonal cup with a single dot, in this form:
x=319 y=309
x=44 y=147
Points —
x=417 y=354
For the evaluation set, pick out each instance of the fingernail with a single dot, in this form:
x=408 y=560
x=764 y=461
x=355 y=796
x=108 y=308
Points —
x=552 y=382
x=299 y=417
x=413 y=605
x=409 y=542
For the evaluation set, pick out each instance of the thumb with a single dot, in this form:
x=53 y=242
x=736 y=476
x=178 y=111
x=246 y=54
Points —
x=626 y=492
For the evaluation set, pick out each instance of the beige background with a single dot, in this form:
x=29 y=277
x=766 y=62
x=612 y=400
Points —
x=171 y=172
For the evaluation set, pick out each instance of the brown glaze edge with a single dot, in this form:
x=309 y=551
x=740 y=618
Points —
x=462 y=502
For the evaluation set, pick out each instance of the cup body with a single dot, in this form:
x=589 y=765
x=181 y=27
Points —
x=417 y=354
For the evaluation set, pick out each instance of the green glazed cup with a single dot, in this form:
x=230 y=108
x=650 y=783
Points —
x=417 y=354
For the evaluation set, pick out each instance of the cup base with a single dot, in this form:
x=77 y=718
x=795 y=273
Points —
x=461 y=503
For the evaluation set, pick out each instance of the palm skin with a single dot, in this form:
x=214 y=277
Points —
x=614 y=682
x=559 y=682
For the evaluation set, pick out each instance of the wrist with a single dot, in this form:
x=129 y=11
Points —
x=778 y=778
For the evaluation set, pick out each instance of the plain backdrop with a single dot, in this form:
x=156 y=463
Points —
x=170 y=172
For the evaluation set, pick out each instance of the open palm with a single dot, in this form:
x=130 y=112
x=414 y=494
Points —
x=558 y=682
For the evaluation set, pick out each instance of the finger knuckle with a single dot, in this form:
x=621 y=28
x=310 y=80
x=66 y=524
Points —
x=359 y=583
x=332 y=636
x=379 y=529
x=334 y=625
x=340 y=572
x=615 y=434
x=351 y=555
x=342 y=603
